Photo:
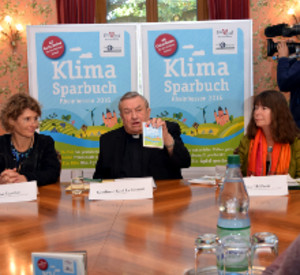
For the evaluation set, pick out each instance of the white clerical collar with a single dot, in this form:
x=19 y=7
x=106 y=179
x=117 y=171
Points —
x=136 y=136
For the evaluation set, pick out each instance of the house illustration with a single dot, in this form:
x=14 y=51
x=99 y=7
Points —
x=222 y=117
x=110 y=119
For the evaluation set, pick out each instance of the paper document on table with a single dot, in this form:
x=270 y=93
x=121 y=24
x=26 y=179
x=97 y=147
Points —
x=140 y=179
x=293 y=183
x=267 y=185
x=125 y=189
x=207 y=180
x=17 y=192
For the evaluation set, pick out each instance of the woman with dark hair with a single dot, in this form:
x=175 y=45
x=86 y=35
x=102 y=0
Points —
x=271 y=145
x=24 y=154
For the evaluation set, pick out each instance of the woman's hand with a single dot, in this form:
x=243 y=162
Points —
x=11 y=176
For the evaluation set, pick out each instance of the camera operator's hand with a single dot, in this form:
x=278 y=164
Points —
x=282 y=48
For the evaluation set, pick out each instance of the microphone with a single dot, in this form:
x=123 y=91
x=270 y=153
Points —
x=275 y=30
x=288 y=32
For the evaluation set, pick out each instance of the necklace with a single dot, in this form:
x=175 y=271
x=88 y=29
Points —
x=19 y=157
x=270 y=149
x=16 y=146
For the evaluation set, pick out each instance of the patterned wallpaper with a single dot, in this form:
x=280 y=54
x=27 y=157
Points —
x=13 y=63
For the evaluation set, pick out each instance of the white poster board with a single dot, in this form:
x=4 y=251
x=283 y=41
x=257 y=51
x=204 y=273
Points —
x=200 y=75
x=78 y=73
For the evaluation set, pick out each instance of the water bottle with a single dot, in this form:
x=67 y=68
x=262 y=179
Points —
x=233 y=207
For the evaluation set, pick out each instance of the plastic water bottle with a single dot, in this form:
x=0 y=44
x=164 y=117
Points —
x=233 y=205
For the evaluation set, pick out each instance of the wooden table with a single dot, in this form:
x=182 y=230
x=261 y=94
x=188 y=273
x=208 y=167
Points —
x=130 y=237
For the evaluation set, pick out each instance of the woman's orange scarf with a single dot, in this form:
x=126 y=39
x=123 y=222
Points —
x=257 y=157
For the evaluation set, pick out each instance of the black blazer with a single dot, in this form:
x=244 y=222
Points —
x=157 y=163
x=41 y=165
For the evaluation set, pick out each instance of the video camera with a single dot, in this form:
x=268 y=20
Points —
x=272 y=47
x=282 y=30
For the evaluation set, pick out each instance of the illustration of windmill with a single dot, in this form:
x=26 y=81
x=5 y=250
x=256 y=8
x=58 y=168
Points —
x=203 y=112
x=92 y=115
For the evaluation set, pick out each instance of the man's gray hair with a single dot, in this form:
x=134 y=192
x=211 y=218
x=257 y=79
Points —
x=130 y=95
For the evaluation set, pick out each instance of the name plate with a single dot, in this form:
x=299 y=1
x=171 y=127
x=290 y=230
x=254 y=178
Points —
x=54 y=263
x=267 y=186
x=122 y=190
x=17 y=192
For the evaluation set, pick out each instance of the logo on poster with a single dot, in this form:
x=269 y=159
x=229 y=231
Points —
x=42 y=264
x=53 y=47
x=225 y=33
x=111 y=35
x=165 y=44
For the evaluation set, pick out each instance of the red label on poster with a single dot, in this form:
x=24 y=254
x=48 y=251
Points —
x=42 y=264
x=165 y=44
x=53 y=47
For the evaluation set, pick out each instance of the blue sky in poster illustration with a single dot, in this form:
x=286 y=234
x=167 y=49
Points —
x=95 y=144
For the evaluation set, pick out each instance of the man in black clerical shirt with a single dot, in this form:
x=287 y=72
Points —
x=122 y=153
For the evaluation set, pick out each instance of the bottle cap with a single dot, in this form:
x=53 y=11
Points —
x=233 y=159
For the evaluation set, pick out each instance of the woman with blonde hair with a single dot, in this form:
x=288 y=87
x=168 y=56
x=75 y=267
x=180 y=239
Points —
x=271 y=145
x=25 y=155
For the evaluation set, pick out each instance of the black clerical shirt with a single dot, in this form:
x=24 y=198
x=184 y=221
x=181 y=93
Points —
x=123 y=156
x=132 y=164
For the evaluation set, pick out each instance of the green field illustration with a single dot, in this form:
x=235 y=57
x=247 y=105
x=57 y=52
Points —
x=203 y=153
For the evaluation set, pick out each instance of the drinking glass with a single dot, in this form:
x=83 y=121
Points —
x=205 y=254
x=264 y=250
x=234 y=255
x=77 y=184
x=220 y=171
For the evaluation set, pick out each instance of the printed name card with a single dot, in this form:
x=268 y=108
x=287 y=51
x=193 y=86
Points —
x=267 y=186
x=51 y=263
x=17 y=192
x=130 y=189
